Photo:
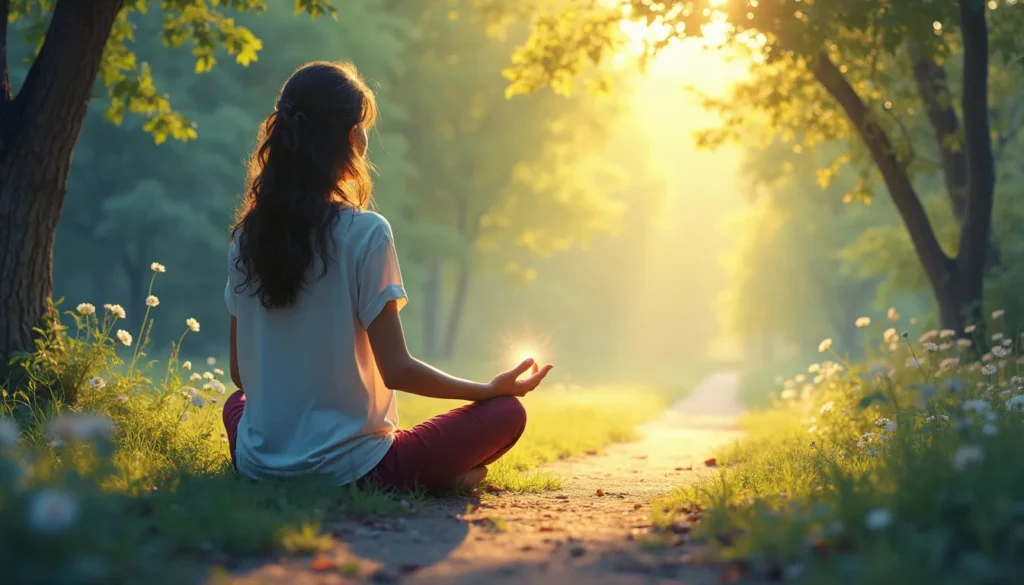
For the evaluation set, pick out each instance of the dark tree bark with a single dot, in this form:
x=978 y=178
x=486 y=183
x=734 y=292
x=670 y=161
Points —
x=40 y=128
x=957 y=283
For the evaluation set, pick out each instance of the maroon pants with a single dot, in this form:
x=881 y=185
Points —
x=436 y=452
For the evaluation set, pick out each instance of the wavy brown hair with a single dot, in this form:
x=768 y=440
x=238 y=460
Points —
x=310 y=163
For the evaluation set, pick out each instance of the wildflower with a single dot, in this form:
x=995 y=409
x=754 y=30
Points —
x=862 y=322
x=978 y=406
x=799 y=379
x=52 y=511
x=218 y=372
x=813 y=429
x=931 y=347
x=86 y=308
x=890 y=335
x=998 y=314
x=913 y=320
x=196 y=376
x=886 y=424
x=989 y=430
x=187 y=365
x=192 y=324
x=970 y=329
x=1015 y=404
x=946 y=346
x=211 y=361
x=1007 y=342
x=9 y=432
x=950 y=362
x=788 y=394
x=928 y=335
x=947 y=333
x=966 y=456
x=825 y=345
x=964 y=343
x=124 y=337
x=818 y=379
x=157 y=267
x=913 y=362
x=814 y=368
x=997 y=336
x=827 y=407
x=878 y=519
x=115 y=310
x=122 y=397
x=208 y=375
x=183 y=417
x=152 y=301
x=216 y=386
x=97 y=382
x=893 y=315
x=1000 y=351
x=988 y=369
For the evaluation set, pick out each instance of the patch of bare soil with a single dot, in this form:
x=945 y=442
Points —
x=596 y=530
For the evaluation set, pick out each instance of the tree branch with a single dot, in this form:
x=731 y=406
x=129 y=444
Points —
x=933 y=88
x=981 y=176
x=60 y=82
x=893 y=171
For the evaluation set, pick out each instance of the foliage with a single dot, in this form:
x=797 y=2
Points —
x=900 y=468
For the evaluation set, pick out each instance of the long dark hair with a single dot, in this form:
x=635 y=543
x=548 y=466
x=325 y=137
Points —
x=310 y=163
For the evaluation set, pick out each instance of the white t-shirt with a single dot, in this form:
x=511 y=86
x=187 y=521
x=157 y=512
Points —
x=315 y=401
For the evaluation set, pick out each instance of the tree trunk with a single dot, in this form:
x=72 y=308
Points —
x=432 y=309
x=38 y=133
x=457 y=309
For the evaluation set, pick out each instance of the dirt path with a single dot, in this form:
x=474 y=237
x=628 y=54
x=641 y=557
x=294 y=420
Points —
x=585 y=533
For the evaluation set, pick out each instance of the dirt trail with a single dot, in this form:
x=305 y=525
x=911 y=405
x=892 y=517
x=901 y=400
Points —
x=585 y=533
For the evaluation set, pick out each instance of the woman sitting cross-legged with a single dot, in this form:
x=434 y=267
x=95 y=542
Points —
x=314 y=290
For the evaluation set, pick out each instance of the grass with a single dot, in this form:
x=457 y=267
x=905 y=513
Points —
x=114 y=469
x=891 y=471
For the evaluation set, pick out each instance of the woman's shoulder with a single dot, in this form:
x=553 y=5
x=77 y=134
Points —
x=363 y=224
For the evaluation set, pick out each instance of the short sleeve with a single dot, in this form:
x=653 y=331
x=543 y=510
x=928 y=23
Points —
x=379 y=277
x=230 y=296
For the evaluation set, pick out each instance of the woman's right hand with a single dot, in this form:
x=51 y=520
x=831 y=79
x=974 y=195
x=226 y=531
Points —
x=509 y=384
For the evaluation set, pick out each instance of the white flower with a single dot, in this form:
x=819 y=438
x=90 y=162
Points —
x=211 y=361
x=1007 y=342
x=893 y=315
x=788 y=394
x=887 y=424
x=964 y=342
x=152 y=301
x=216 y=386
x=124 y=337
x=97 y=382
x=157 y=267
x=208 y=375
x=970 y=329
x=192 y=324
x=997 y=336
x=890 y=336
x=86 y=308
x=827 y=407
x=1000 y=351
x=52 y=511
x=931 y=347
x=814 y=368
x=122 y=397
x=947 y=333
x=966 y=456
x=196 y=376
x=9 y=432
x=799 y=378
x=115 y=310
x=998 y=314
x=187 y=365
x=949 y=362
x=989 y=369
x=878 y=519
x=218 y=372
x=928 y=335
x=989 y=430
x=825 y=345
x=862 y=322
x=946 y=346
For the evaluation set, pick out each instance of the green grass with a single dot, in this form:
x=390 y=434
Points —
x=157 y=496
x=886 y=472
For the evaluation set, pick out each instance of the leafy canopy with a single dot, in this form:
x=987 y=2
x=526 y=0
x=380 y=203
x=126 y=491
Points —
x=206 y=26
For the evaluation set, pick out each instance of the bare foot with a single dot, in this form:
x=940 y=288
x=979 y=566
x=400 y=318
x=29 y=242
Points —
x=472 y=478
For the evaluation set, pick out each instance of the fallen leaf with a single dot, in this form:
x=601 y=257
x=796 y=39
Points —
x=600 y=492
x=637 y=506
x=322 y=563
x=711 y=462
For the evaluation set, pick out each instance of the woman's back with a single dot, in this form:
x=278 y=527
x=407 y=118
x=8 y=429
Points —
x=315 y=400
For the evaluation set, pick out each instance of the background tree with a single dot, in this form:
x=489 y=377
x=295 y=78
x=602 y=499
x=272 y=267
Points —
x=825 y=71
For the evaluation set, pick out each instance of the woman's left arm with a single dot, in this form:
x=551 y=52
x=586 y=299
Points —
x=235 y=376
